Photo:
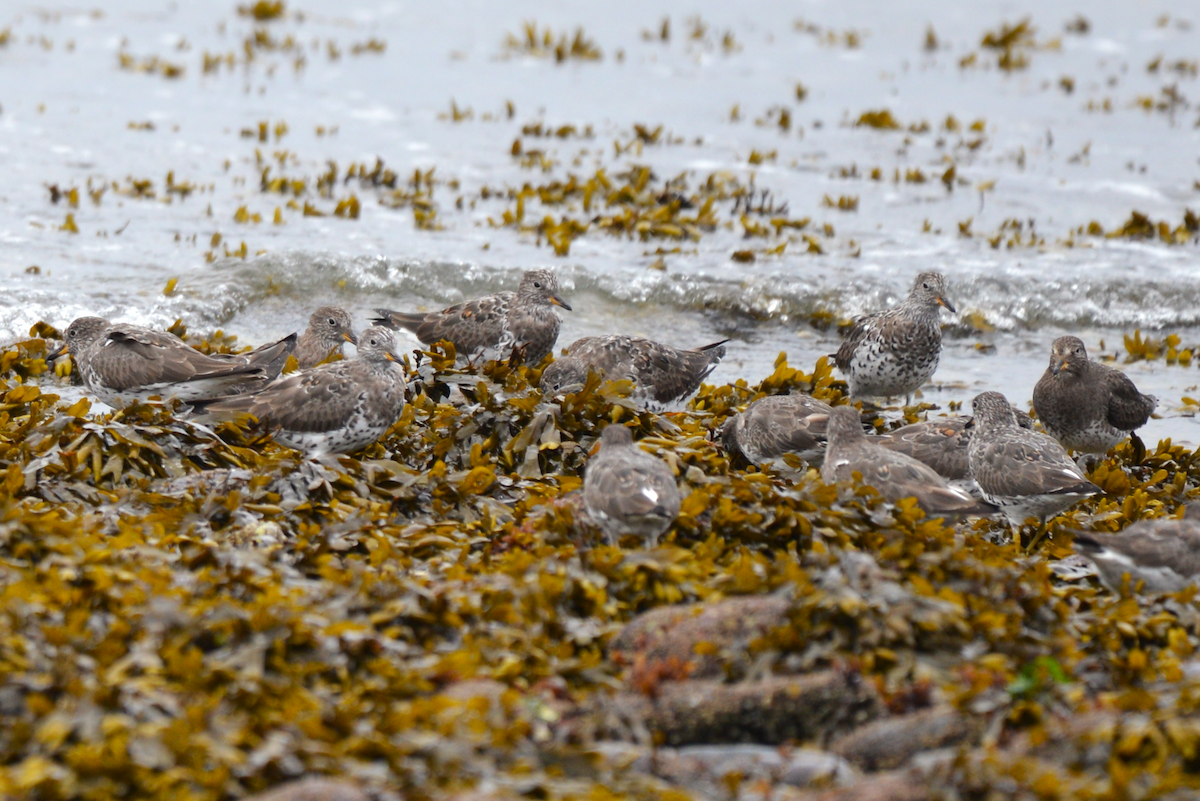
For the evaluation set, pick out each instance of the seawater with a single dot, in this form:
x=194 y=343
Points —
x=1095 y=119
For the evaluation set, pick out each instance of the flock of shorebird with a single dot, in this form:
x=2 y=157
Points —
x=992 y=462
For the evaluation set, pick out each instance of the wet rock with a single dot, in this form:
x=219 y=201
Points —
x=773 y=711
x=899 y=786
x=723 y=772
x=313 y=789
x=465 y=690
x=892 y=742
x=723 y=630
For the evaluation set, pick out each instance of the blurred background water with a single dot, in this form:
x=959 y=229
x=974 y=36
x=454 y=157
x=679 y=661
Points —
x=139 y=140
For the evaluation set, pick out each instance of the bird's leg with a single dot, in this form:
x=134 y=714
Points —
x=1139 y=447
x=1040 y=533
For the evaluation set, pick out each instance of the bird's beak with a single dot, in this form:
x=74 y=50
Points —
x=390 y=357
x=969 y=424
x=54 y=354
x=1058 y=365
x=946 y=305
x=350 y=337
x=557 y=301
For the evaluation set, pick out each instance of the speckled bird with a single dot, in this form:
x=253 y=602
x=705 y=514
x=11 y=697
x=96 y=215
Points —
x=1087 y=406
x=121 y=363
x=663 y=377
x=329 y=329
x=894 y=352
x=521 y=324
x=628 y=491
x=340 y=407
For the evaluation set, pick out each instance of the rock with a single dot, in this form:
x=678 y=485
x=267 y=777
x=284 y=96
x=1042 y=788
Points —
x=467 y=689
x=313 y=789
x=717 y=771
x=892 y=742
x=899 y=786
x=726 y=629
x=776 y=710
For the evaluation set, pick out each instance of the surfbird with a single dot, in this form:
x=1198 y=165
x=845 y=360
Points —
x=121 y=363
x=941 y=443
x=776 y=425
x=1159 y=556
x=329 y=328
x=664 y=377
x=894 y=474
x=521 y=324
x=894 y=352
x=1025 y=473
x=1087 y=406
x=339 y=407
x=628 y=491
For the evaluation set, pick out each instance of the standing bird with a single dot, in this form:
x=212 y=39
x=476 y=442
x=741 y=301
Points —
x=894 y=352
x=1025 y=473
x=1088 y=406
x=329 y=328
x=1163 y=555
x=628 y=491
x=121 y=363
x=340 y=407
x=663 y=376
x=779 y=424
x=895 y=475
x=519 y=324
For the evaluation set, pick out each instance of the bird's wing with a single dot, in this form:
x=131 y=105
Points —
x=1127 y=408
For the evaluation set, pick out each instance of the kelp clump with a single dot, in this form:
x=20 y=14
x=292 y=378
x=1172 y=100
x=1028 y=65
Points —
x=198 y=613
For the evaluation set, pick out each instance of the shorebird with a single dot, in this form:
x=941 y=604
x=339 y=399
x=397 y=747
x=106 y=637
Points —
x=1025 y=473
x=340 y=407
x=520 y=324
x=779 y=424
x=894 y=352
x=121 y=363
x=329 y=328
x=628 y=491
x=895 y=475
x=1087 y=406
x=1159 y=556
x=663 y=376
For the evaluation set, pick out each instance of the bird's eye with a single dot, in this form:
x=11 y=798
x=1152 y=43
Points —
x=925 y=285
x=537 y=284
x=332 y=321
x=374 y=341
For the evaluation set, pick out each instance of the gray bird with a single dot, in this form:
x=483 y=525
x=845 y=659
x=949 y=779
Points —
x=329 y=328
x=519 y=324
x=340 y=407
x=628 y=491
x=942 y=443
x=663 y=376
x=893 y=474
x=895 y=352
x=1087 y=406
x=1025 y=473
x=779 y=424
x=121 y=363
x=1159 y=556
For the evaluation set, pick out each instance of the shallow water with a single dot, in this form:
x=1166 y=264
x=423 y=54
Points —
x=71 y=114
